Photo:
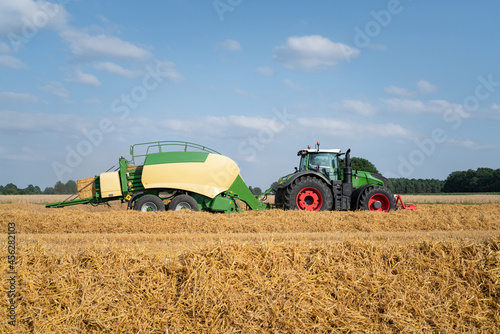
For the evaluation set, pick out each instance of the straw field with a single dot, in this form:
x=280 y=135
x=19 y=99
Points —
x=32 y=198
x=448 y=198
x=106 y=269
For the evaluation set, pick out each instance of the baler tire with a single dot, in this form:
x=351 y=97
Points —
x=149 y=203
x=372 y=195
x=183 y=202
x=308 y=188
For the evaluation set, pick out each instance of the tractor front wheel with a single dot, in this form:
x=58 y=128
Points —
x=308 y=193
x=149 y=203
x=377 y=199
x=183 y=202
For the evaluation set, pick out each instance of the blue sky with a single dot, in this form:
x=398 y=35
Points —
x=412 y=86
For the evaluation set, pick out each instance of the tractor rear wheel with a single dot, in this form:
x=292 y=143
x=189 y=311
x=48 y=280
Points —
x=182 y=202
x=149 y=203
x=377 y=199
x=308 y=193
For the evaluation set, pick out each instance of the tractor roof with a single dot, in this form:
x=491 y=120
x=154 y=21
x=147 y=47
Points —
x=310 y=150
x=331 y=150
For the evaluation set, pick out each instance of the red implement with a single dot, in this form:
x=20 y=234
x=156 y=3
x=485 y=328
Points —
x=401 y=205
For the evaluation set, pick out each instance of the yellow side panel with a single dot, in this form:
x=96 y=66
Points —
x=110 y=184
x=208 y=178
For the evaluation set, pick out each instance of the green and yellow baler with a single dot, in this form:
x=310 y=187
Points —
x=190 y=177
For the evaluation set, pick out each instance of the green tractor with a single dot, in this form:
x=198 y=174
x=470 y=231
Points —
x=324 y=181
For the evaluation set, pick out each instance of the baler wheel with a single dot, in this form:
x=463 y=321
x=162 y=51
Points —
x=149 y=203
x=377 y=199
x=183 y=202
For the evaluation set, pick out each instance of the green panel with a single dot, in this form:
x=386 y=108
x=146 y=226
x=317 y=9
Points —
x=220 y=203
x=123 y=175
x=175 y=157
x=240 y=191
x=364 y=178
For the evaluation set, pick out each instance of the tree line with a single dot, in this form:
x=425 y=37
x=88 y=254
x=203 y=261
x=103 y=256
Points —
x=482 y=180
x=415 y=186
x=59 y=188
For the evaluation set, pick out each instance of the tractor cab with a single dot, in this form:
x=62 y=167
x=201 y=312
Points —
x=322 y=161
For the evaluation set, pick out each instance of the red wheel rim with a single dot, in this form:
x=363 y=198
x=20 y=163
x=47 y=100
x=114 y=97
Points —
x=309 y=199
x=379 y=202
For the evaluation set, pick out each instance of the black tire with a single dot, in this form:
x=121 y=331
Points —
x=308 y=193
x=377 y=199
x=149 y=203
x=183 y=202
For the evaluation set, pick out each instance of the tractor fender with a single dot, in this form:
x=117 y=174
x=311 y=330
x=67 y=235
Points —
x=305 y=173
x=356 y=195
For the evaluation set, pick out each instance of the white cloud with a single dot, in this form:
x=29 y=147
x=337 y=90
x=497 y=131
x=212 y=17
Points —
x=244 y=126
x=41 y=122
x=419 y=107
x=356 y=106
x=293 y=85
x=22 y=17
x=230 y=45
x=398 y=91
x=84 y=78
x=167 y=70
x=227 y=122
x=86 y=46
x=249 y=122
x=4 y=48
x=244 y=93
x=55 y=88
x=470 y=145
x=24 y=157
x=11 y=62
x=311 y=53
x=265 y=71
x=92 y=101
x=425 y=87
x=23 y=153
x=116 y=69
x=233 y=126
x=17 y=97
x=353 y=130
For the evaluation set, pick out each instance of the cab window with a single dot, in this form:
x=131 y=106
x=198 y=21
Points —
x=325 y=163
x=302 y=164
